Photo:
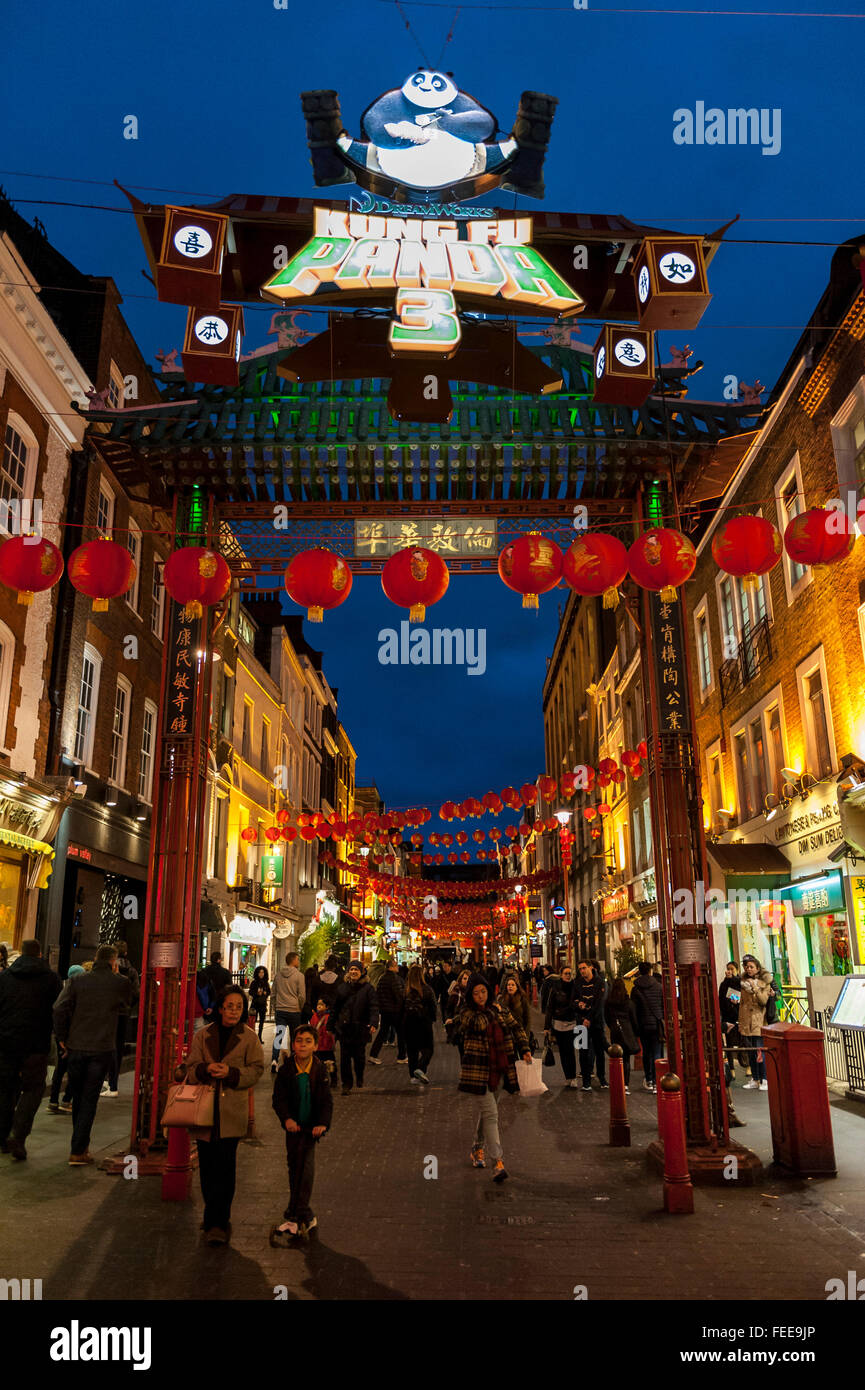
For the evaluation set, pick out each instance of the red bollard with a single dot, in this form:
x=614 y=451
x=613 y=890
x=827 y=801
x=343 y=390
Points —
x=662 y=1066
x=678 y=1192
x=620 y=1129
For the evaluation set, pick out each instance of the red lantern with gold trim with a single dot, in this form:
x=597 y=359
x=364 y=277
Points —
x=820 y=536
x=548 y=787
x=196 y=578
x=590 y=812
x=747 y=547
x=531 y=565
x=415 y=579
x=493 y=802
x=661 y=559
x=102 y=570
x=317 y=580
x=29 y=564
x=596 y=564
x=479 y=836
x=289 y=834
x=271 y=834
x=461 y=837
x=528 y=794
x=248 y=834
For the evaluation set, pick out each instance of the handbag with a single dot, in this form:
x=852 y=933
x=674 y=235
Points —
x=549 y=1055
x=529 y=1078
x=189 y=1106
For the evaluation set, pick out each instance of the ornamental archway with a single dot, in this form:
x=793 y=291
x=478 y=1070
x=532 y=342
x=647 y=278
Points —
x=412 y=411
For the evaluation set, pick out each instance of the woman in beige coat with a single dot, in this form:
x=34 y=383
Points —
x=228 y=1056
x=756 y=988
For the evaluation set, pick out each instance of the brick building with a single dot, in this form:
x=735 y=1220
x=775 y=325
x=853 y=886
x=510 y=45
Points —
x=780 y=674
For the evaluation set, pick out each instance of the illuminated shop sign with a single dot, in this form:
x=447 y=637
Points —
x=427 y=262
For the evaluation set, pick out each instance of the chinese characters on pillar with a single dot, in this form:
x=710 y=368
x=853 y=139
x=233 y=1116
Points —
x=182 y=675
x=670 y=670
x=456 y=536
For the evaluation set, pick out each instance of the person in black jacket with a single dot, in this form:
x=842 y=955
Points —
x=28 y=989
x=419 y=1016
x=126 y=968
x=355 y=1015
x=621 y=1019
x=589 y=1004
x=441 y=984
x=259 y=993
x=729 y=997
x=391 y=992
x=85 y=1021
x=560 y=1020
x=303 y=1101
x=216 y=973
x=648 y=1000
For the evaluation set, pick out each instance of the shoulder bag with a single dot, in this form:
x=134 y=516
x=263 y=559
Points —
x=189 y=1106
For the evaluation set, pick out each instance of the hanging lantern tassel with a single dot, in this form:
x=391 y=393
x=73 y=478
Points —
x=530 y=601
x=611 y=598
x=417 y=613
x=750 y=582
x=193 y=609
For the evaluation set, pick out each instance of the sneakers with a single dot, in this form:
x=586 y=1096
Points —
x=420 y=1076
x=273 y=1069
x=111 y=1094
x=376 y=1061
x=751 y=1086
x=627 y=1090
x=79 y=1160
x=764 y=1085
x=65 y=1107
x=477 y=1157
x=647 y=1086
x=587 y=1085
x=573 y=1084
x=216 y=1236
x=54 y=1107
x=403 y=1061
x=281 y=1236
x=604 y=1085
x=499 y=1171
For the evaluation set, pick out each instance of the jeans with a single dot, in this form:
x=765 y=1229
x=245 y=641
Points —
x=567 y=1056
x=119 y=1049
x=598 y=1040
x=61 y=1071
x=300 y=1154
x=351 y=1052
x=651 y=1045
x=260 y=1017
x=388 y=1021
x=285 y=1025
x=22 y=1083
x=758 y=1061
x=419 y=1044
x=87 y=1071
x=487 y=1131
x=217 y=1169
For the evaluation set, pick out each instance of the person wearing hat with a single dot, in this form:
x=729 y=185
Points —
x=756 y=988
x=56 y=1104
x=355 y=1015
x=492 y=1042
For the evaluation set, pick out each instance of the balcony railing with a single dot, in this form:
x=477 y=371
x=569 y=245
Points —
x=755 y=650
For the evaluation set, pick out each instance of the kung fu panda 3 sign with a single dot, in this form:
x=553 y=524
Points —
x=427 y=138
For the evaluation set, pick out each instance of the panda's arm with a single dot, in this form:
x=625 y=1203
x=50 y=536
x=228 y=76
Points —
x=388 y=110
x=468 y=121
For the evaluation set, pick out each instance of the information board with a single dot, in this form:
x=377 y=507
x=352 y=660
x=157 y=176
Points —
x=849 y=1012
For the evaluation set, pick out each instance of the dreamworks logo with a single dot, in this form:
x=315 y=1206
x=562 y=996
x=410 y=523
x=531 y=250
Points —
x=442 y=646
x=733 y=127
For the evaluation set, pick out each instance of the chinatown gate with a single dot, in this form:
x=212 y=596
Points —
x=441 y=381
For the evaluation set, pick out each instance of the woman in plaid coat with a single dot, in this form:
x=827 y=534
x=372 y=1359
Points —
x=492 y=1041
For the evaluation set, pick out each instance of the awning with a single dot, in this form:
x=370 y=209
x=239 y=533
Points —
x=750 y=859
x=31 y=846
x=250 y=931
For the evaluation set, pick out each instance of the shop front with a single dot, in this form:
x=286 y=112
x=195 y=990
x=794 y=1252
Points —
x=249 y=938
x=819 y=910
x=28 y=822
x=618 y=925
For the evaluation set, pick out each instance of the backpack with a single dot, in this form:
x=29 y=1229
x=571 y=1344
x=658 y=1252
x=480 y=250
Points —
x=414 y=1003
x=771 y=1015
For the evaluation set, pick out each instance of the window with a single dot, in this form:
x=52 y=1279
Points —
x=115 y=388
x=120 y=731
x=264 y=752
x=861 y=615
x=13 y=474
x=776 y=747
x=813 y=689
x=285 y=780
x=637 y=838
x=105 y=510
x=246 y=737
x=647 y=828
x=133 y=545
x=858 y=434
x=743 y=777
x=704 y=653
x=145 y=759
x=88 y=698
x=716 y=784
x=7 y=652
x=790 y=501
x=17 y=475
x=157 y=599
x=727 y=614
x=758 y=764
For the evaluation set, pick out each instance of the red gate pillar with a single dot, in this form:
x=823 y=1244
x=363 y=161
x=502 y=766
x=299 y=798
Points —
x=174 y=878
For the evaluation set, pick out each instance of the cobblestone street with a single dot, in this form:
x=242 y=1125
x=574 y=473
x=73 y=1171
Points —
x=574 y=1212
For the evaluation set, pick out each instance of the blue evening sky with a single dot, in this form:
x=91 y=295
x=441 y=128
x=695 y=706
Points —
x=215 y=88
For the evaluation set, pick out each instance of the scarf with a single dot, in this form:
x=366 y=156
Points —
x=498 y=1051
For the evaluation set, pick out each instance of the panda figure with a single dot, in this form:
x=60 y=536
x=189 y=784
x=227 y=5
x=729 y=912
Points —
x=427 y=134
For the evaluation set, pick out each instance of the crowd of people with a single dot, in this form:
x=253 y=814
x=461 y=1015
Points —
x=486 y=1014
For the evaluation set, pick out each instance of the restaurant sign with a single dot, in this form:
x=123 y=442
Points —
x=616 y=905
x=444 y=535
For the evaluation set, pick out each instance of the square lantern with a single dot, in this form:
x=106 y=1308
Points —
x=189 y=270
x=211 y=349
x=670 y=282
x=624 y=365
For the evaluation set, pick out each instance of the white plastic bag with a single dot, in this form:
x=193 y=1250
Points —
x=530 y=1079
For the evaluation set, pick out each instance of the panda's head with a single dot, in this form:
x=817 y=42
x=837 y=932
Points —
x=429 y=88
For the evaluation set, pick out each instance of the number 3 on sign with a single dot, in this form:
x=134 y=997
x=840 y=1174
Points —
x=426 y=321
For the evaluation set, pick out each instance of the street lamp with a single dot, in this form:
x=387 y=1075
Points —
x=563 y=815
x=364 y=875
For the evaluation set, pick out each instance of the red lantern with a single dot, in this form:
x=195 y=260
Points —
x=568 y=785
x=512 y=831
x=461 y=837
x=630 y=758
x=289 y=834
x=317 y=580
x=465 y=856
x=307 y=833
x=102 y=570
x=479 y=836
x=30 y=565
x=819 y=536
x=447 y=841
x=590 y=812
x=643 y=750
x=604 y=809
x=453 y=857
x=417 y=841
x=492 y=802
x=495 y=833
x=271 y=834
x=607 y=766
x=482 y=854
x=196 y=578
x=661 y=559
x=604 y=780
x=525 y=828
x=528 y=794
x=531 y=565
x=596 y=564
x=746 y=547
x=440 y=859
x=434 y=839
x=283 y=817
x=618 y=777
x=415 y=579
x=596 y=833
x=339 y=830
x=248 y=834
x=511 y=797
x=448 y=811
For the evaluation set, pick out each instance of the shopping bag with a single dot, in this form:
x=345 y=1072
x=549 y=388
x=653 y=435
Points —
x=529 y=1078
x=188 y=1107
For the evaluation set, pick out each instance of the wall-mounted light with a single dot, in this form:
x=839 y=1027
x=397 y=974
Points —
x=110 y=795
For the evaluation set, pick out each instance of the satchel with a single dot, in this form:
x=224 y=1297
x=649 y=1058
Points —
x=549 y=1056
x=189 y=1107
